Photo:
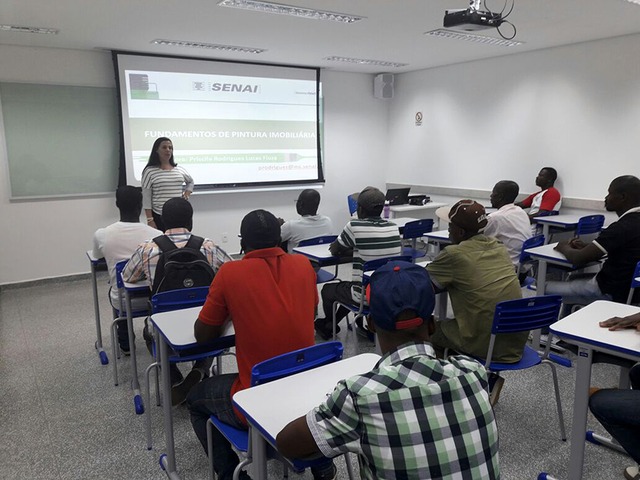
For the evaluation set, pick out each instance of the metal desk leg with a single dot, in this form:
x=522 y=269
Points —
x=581 y=405
x=104 y=360
x=135 y=384
x=259 y=454
x=545 y=231
x=167 y=461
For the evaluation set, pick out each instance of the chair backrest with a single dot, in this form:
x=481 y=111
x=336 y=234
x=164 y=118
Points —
x=634 y=283
x=522 y=315
x=318 y=240
x=119 y=267
x=353 y=203
x=178 y=299
x=417 y=228
x=373 y=265
x=532 y=242
x=589 y=224
x=296 y=362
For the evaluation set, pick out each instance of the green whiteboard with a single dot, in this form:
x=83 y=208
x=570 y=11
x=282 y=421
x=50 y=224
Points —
x=60 y=140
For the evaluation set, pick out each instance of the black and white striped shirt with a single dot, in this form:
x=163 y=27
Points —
x=159 y=185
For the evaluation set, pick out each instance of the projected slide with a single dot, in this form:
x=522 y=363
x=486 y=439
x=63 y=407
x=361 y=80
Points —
x=231 y=124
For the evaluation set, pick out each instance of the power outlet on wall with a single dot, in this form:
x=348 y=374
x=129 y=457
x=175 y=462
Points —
x=225 y=237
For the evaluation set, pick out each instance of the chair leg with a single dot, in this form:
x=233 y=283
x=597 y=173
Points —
x=347 y=460
x=336 y=306
x=563 y=433
x=210 y=427
x=147 y=413
x=115 y=354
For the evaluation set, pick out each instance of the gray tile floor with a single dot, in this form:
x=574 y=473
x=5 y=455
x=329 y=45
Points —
x=61 y=417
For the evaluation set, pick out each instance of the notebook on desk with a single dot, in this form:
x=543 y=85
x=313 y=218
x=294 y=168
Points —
x=398 y=196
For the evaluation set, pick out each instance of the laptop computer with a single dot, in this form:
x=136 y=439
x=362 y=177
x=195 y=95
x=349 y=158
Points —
x=398 y=196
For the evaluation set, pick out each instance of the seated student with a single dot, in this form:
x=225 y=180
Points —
x=477 y=273
x=413 y=416
x=620 y=242
x=619 y=410
x=509 y=224
x=177 y=215
x=117 y=242
x=366 y=238
x=270 y=296
x=309 y=225
x=548 y=199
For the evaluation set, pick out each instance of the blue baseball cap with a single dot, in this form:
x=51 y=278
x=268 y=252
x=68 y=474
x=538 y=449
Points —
x=398 y=286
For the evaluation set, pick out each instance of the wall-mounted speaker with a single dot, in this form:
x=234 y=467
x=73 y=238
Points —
x=383 y=85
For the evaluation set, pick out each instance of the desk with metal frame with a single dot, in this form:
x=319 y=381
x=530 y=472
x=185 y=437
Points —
x=271 y=406
x=95 y=264
x=175 y=330
x=583 y=330
x=440 y=239
x=567 y=222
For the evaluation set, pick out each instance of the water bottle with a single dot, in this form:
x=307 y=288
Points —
x=385 y=211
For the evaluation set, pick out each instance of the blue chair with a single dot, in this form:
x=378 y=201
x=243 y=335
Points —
x=525 y=258
x=635 y=283
x=353 y=203
x=412 y=231
x=361 y=309
x=322 y=276
x=177 y=300
x=523 y=315
x=268 y=371
x=589 y=224
x=121 y=314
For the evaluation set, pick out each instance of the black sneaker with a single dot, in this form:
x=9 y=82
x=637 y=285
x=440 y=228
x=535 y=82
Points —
x=125 y=350
x=364 y=331
x=324 y=328
x=330 y=472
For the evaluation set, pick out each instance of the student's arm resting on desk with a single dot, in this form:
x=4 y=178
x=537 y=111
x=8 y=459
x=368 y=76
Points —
x=214 y=313
x=578 y=253
x=295 y=440
x=329 y=429
x=620 y=323
x=343 y=245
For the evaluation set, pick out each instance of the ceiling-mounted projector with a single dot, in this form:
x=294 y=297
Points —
x=471 y=18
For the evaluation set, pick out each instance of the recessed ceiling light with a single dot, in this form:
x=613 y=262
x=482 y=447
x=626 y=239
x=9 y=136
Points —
x=211 y=46
x=17 y=28
x=637 y=2
x=281 y=9
x=472 y=37
x=363 y=61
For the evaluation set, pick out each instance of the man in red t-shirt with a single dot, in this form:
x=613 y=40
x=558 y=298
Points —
x=271 y=298
x=548 y=199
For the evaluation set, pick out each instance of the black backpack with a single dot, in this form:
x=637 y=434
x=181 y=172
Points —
x=180 y=268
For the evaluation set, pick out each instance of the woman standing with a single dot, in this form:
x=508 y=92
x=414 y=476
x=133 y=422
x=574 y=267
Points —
x=162 y=179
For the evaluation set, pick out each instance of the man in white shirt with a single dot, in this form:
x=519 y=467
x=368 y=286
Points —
x=510 y=223
x=309 y=225
x=118 y=241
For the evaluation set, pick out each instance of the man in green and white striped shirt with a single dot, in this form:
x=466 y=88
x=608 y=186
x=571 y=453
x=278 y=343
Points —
x=369 y=237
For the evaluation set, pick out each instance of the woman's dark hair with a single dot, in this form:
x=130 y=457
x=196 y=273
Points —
x=154 y=159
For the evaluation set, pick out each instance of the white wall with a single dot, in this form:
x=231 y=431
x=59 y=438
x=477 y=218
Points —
x=575 y=108
x=355 y=146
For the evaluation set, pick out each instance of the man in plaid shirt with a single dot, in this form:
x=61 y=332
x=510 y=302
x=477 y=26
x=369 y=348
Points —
x=413 y=416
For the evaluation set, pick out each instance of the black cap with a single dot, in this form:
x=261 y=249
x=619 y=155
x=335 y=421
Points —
x=260 y=229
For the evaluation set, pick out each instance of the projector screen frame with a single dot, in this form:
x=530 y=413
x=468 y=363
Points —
x=319 y=180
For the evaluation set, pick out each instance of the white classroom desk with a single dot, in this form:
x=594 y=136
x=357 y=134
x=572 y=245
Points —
x=96 y=263
x=422 y=211
x=583 y=330
x=440 y=239
x=320 y=253
x=566 y=221
x=546 y=254
x=175 y=329
x=271 y=406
